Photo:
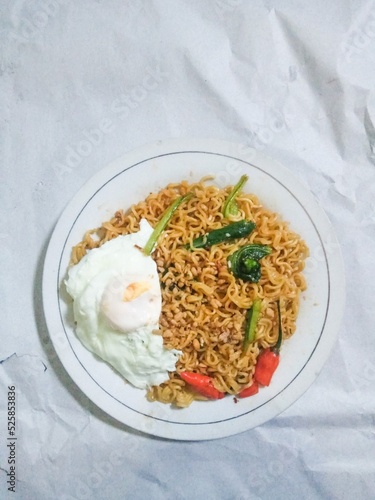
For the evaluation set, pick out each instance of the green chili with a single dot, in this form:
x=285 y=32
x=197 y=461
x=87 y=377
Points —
x=232 y=231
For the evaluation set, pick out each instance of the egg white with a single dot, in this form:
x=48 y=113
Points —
x=117 y=303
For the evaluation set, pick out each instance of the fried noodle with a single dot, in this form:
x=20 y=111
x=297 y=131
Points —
x=204 y=305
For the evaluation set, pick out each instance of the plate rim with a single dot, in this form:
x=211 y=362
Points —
x=215 y=147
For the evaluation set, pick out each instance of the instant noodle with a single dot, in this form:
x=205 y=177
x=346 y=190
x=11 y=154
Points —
x=204 y=304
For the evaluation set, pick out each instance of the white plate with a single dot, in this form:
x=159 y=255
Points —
x=129 y=180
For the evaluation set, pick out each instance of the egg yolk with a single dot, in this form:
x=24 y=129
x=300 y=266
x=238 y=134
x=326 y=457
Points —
x=128 y=303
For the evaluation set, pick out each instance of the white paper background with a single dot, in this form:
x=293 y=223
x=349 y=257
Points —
x=293 y=79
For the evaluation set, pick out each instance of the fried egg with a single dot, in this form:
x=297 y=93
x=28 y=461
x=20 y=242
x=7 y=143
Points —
x=117 y=303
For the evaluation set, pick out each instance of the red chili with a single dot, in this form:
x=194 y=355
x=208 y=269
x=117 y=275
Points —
x=249 y=391
x=266 y=365
x=202 y=384
x=268 y=360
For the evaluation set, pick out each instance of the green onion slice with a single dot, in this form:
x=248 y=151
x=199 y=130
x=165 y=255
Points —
x=163 y=222
x=230 y=206
x=252 y=317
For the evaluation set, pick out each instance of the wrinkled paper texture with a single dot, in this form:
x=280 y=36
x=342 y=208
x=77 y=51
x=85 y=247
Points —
x=84 y=82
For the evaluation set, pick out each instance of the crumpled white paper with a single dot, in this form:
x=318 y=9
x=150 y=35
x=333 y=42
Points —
x=84 y=82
